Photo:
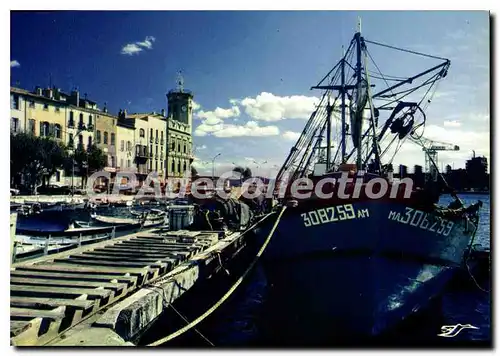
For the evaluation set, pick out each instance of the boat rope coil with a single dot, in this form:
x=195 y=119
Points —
x=228 y=293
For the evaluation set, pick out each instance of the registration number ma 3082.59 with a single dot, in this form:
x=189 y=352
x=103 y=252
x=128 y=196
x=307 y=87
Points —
x=333 y=214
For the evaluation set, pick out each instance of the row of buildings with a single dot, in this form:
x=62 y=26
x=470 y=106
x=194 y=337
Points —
x=139 y=143
x=474 y=177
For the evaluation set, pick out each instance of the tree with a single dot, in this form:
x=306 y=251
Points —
x=35 y=159
x=247 y=173
x=87 y=161
x=194 y=173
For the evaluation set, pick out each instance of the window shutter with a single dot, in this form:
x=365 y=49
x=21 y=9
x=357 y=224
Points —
x=51 y=129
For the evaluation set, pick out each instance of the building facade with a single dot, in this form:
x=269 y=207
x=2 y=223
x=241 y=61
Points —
x=179 y=133
x=139 y=143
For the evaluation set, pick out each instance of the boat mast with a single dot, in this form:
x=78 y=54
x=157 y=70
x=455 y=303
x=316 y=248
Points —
x=329 y=109
x=342 y=90
x=358 y=78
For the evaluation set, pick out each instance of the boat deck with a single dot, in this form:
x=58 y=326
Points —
x=51 y=294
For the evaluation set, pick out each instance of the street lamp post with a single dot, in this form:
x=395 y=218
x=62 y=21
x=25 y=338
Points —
x=213 y=165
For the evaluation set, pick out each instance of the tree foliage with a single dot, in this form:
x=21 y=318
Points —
x=35 y=158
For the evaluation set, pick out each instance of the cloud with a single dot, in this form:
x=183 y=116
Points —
x=195 y=105
x=269 y=107
x=216 y=116
x=453 y=123
x=14 y=64
x=137 y=47
x=251 y=128
x=290 y=135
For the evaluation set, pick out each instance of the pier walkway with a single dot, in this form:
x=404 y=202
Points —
x=109 y=292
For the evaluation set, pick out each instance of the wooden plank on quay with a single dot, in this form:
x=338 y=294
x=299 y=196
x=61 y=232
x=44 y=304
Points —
x=104 y=262
x=58 y=282
x=25 y=313
x=145 y=260
x=18 y=326
x=130 y=280
x=52 y=302
x=70 y=267
x=91 y=292
x=132 y=255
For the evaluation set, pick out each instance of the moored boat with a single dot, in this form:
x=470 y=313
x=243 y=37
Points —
x=356 y=252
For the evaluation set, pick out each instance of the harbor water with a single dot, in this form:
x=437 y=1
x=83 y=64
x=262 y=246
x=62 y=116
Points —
x=240 y=321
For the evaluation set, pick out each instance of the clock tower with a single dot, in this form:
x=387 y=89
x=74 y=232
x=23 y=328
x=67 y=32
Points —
x=180 y=104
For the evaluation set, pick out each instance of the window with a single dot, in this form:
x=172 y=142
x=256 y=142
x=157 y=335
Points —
x=173 y=145
x=90 y=120
x=156 y=166
x=151 y=135
x=14 y=124
x=150 y=165
x=58 y=109
x=44 y=129
x=46 y=106
x=32 y=104
x=80 y=142
x=128 y=163
x=31 y=126
x=178 y=147
x=151 y=150
x=80 y=123
x=112 y=161
x=58 y=176
x=156 y=150
x=71 y=142
x=112 y=139
x=161 y=165
x=184 y=166
x=98 y=136
x=179 y=166
x=141 y=133
x=121 y=162
x=71 y=122
x=122 y=145
x=129 y=146
x=57 y=131
x=105 y=138
x=161 y=140
x=173 y=166
x=89 y=145
x=184 y=147
x=14 y=102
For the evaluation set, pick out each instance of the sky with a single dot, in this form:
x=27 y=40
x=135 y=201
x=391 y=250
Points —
x=251 y=71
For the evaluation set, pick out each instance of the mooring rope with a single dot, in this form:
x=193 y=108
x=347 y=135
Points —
x=228 y=293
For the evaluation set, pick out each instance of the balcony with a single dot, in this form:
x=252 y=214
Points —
x=90 y=127
x=162 y=141
x=81 y=126
x=71 y=124
x=156 y=140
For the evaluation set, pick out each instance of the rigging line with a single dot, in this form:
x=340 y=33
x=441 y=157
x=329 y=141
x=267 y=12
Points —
x=386 y=79
x=401 y=97
x=430 y=81
x=376 y=66
x=406 y=50
x=187 y=322
x=385 y=75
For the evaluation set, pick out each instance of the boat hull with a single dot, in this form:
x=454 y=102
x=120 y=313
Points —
x=356 y=270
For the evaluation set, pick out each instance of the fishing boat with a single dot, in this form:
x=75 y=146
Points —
x=356 y=251
x=146 y=220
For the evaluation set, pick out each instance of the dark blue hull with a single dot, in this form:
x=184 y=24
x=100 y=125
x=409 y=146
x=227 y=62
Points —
x=358 y=269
